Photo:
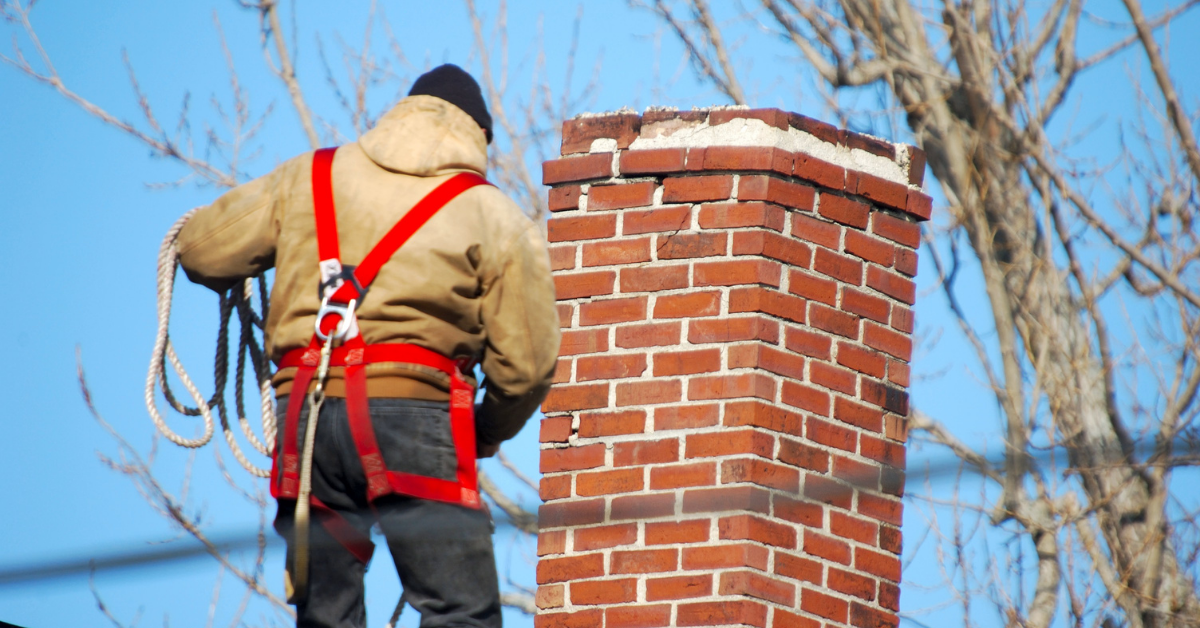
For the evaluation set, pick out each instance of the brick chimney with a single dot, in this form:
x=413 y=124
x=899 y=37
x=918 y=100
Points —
x=724 y=444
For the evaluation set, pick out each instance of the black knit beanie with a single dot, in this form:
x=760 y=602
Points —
x=453 y=85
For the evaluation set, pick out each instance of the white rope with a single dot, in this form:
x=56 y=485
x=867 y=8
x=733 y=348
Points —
x=168 y=258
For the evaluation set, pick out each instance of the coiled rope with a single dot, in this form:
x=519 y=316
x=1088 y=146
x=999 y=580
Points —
x=236 y=299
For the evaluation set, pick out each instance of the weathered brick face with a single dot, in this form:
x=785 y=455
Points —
x=724 y=444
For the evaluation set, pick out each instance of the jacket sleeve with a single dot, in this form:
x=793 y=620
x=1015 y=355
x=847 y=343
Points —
x=522 y=329
x=233 y=238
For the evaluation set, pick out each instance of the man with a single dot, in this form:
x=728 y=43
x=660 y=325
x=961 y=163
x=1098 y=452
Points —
x=471 y=283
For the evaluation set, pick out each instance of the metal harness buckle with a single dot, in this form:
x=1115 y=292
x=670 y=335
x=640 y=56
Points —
x=344 y=312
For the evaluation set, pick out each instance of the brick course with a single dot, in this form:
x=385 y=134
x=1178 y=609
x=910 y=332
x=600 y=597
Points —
x=724 y=443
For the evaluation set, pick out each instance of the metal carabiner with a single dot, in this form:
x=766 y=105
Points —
x=344 y=312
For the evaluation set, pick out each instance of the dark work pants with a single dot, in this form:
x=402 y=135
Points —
x=443 y=552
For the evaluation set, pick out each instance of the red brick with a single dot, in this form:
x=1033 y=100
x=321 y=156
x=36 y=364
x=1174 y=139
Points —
x=731 y=386
x=896 y=229
x=730 y=442
x=866 y=617
x=882 y=191
x=610 y=367
x=761 y=473
x=678 y=587
x=843 y=210
x=570 y=568
x=691 y=245
x=654 y=278
x=649 y=392
x=902 y=319
x=604 y=537
x=833 y=377
x=776 y=190
x=597 y=424
x=681 y=475
x=887 y=397
x=821 y=172
x=552 y=542
x=803 y=512
x=616 y=252
x=870 y=144
x=757 y=585
x=725 y=556
x=889 y=598
x=853 y=528
x=690 y=305
x=807 y=343
x=818 y=231
x=906 y=261
x=583 y=341
x=736 y=272
x=772 y=245
x=827 y=491
x=895 y=428
x=846 y=269
x=898 y=373
x=882 y=565
x=766 y=158
x=604 y=591
x=641 y=507
x=833 y=321
x=726 y=613
x=581 y=619
x=649 y=335
x=641 y=616
x=919 y=205
x=685 y=417
x=826 y=606
x=887 y=510
x=566 y=312
x=657 y=161
x=670 y=532
x=583 y=397
x=652 y=220
x=830 y=435
x=888 y=341
x=644 y=452
x=701 y=331
x=884 y=451
x=564 y=198
x=562 y=257
x=812 y=287
x=799 y=568
x=891 y=481
x=735 y=215
x=861 y=360
x=698 y=188
x=893 y=285
x=870 y=249
x=801 y=455
x=858 y=415
x=571 y=513
x=821 y=130
x=773 y=117
x=555 y=429
x=579 y=133
x=602 y=197
x=861 y=475
x=759 y=414
x=581 y=228
x=865 y=305
x=587 y=167
x=687 y=362
x=890 y=540
x=572 y=458
x=643 y=561
x=751 y=528
x=805 y=398
x=725 y=499
x=758 y=299
x=826 y=547
x=580 y=285
x=609 y=311
x=556 y=487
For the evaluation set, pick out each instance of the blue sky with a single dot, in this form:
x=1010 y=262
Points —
x=80 y=227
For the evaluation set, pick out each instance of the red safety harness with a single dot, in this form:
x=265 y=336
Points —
x=342 y=289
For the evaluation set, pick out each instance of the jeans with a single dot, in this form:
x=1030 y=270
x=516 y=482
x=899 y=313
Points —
x=443 y=552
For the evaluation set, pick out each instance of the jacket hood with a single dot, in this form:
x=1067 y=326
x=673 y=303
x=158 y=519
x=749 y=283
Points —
x=426 y=136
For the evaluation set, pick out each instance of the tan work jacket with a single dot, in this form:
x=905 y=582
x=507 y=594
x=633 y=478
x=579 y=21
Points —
x=473 y=281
